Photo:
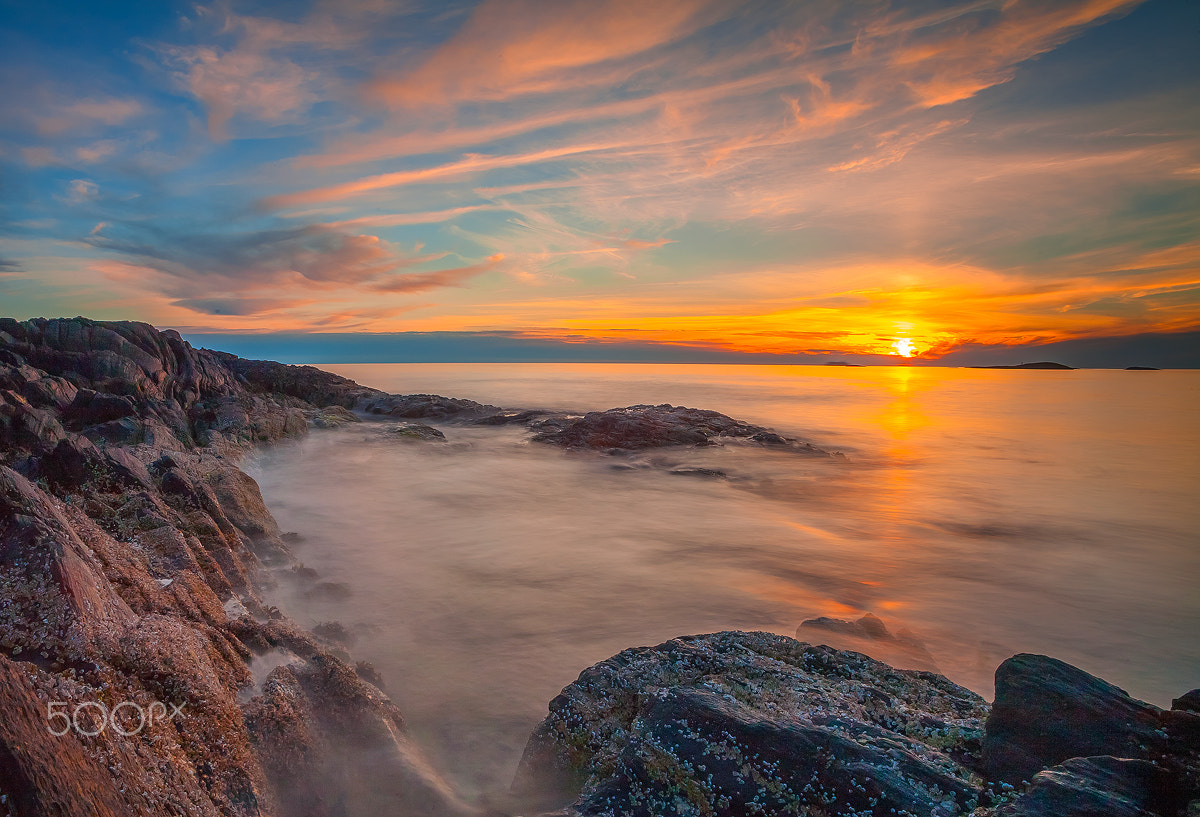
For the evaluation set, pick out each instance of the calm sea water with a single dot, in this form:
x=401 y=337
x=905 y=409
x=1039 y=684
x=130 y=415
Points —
x=980 y=513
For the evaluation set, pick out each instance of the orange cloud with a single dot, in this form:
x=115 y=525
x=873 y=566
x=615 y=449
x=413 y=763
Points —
x=464 y=167
x=958 y=61
x=419 y=282
x=403 y=219
x=513 y=47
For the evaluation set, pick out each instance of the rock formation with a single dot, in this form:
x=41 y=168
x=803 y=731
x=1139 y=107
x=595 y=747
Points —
x=755 y=723
x=132 y=555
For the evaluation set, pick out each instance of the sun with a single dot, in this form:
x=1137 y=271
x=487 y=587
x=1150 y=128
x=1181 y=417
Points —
x=904 y=347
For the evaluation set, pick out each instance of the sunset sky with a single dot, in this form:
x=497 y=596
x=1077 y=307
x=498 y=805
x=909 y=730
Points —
x=770 y=178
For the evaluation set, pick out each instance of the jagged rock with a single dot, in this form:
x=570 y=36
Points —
x=767 y=716
x=73 y=462
x=139 y=587
x=126 y=431
x=1188 y=702
x=1183 y=732
x=22 y=427
x=47 y=390
x=53 y=598
x=308 y=383
x=127 y=469
x=416 y=406
x=176 y=481
x=91 y=408
x=1096 y=787
x=1047 y=711
x=240 y=498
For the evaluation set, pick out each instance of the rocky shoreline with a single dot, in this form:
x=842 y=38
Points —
x=134 y=554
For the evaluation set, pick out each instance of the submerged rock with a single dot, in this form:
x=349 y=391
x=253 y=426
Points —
x=332 y=417
x=417 y=431
x=334 y=632
x=702 y=473
x=870 y=634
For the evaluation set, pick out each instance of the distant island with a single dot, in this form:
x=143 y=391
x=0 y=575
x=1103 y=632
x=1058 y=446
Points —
x=1142 y=369
x=1045 y=364
x=840 y=363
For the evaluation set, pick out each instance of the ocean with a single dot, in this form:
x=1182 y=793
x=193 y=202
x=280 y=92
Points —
x=977 y=513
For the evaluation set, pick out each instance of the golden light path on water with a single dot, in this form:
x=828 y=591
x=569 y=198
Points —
x=978 y=513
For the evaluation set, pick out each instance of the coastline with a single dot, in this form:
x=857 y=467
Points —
x=120 y=482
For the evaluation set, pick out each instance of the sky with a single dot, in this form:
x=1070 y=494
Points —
x=982 y=180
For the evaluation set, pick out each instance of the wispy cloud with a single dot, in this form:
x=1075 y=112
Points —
x=420 y=282
x=511 y=48
x=404 y=219
x=462 y=168
x=86 y=114
x=242 y=81
x=264 y=68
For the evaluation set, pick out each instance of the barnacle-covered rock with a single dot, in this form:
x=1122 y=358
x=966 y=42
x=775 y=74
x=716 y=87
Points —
x=744 y=723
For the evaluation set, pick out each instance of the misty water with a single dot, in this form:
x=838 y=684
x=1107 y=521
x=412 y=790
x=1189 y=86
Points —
x=979 y=513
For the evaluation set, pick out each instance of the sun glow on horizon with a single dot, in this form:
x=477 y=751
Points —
x=904 y=347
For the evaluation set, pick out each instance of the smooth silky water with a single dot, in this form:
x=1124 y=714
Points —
x=979 y=512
